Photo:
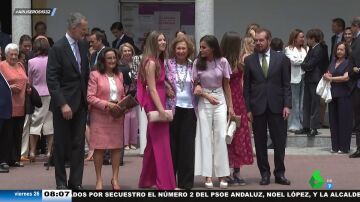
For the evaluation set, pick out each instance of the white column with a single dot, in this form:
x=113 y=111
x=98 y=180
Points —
x=204 y=19
x=21 y=24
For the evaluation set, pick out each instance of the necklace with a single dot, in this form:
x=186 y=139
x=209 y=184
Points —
x=181 y=82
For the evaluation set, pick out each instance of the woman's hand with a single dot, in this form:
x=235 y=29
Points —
x=211 y=99
x=327 y=76
x=164 y=116
x=15 y=88
x=115 y=108
x=231 y=112
x=170 y=93
x=198 y=90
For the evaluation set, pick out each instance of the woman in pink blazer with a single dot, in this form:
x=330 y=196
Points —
x=105 y=89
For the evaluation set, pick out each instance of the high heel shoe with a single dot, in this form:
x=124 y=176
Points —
x=32 y=158
x=115 y=186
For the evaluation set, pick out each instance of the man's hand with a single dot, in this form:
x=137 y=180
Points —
x=66 y=112
x=286 y=113
x=250 y=116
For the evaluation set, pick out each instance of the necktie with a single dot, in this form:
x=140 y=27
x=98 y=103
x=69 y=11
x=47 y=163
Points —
x=96 y=58
x=77 y=54
x=264 y=65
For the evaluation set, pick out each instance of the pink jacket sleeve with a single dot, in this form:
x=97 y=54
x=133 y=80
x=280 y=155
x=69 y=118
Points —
x=93 y=94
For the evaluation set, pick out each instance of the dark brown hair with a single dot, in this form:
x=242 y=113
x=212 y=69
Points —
x=346 y=49
x=41 y=47
x=100 y=66
x=230 y=48
x=213 y=43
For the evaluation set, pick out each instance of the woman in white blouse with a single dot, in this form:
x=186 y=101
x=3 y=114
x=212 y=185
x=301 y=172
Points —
x=296 y=52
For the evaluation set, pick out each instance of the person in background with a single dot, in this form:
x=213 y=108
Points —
x=211 y=74
x=251 y=30
x=117 y=30
x=42 y=119
x=340 y=109
x=131 y=122
x=14 y=73
x=5 y=114
x=313 y=67
x=40 y=30
x=240 y=150
x=96 y=42
x=157 y=166
x=337 y=27
x=183 y=127
x=25 y=54
x=180 y=33
x=106 y=132
x=277 y=45
x=104 y=40
x=348 y=38
x=354 y=74
x=296 y=52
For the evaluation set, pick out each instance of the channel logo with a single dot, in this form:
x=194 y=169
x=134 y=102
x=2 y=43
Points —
x=317 y=181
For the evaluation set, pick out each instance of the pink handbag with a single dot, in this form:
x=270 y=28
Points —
x=154 y=116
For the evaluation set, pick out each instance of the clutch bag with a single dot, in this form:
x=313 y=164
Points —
x=154 y=116
x=127 y=102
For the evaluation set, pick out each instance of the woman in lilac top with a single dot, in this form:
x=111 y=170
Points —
x=211 y=74
x=41 y=120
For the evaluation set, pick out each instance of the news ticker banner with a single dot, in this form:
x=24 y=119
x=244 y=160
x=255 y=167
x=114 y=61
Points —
x=87 y=195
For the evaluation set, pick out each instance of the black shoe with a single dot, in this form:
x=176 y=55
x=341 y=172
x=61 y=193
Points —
x=265 y=180
x=17 y=164
x=4 y=166
x=355 y=154
x=121 y=163
x=282 y=180
x=61 y=187
x=76 y=188
x=313 y=132
x=302 y=131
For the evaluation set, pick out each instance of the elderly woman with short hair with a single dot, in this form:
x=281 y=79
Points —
x=14 y=73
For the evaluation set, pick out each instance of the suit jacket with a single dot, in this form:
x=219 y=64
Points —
x=67 y=85
x=354 y=60
x=273 y=91
x=125 y=39
x=315 y=63
x=5 y=101
x=339 y=89
x=99 y=90
x=333 y=45
x=92 y=59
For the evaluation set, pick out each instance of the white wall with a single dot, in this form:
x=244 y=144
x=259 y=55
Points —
x=282 y=16
x=99 y=14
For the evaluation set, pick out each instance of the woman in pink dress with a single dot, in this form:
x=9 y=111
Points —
x=106 y=132
x=151 y=94
x=240 y=150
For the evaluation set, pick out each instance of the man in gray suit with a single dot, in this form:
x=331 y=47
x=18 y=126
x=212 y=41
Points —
x=67 y=78
x=267 y=94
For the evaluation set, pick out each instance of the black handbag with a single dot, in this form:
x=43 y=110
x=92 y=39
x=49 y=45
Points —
x=32 y=100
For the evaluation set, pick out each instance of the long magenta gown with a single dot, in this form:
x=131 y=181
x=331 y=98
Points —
x=240 y=150
x=157 y=163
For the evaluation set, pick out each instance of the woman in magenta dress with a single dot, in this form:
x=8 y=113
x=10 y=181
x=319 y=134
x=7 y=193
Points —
x=240 y=150
x=151 y=94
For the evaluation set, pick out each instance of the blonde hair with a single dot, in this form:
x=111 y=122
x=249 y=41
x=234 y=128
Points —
x=245 y=46
x=189 y=44
x=151 y=51
x=127 y=45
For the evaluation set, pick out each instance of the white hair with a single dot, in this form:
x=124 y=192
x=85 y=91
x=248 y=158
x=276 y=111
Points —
x=11 y=46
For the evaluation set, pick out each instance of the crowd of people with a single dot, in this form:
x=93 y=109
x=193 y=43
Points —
x=70 y=91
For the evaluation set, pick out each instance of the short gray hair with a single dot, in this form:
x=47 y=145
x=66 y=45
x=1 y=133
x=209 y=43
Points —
x=11 y=46
x=75 y=19
x=356 y=21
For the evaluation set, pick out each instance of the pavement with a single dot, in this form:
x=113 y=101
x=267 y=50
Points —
x=300 y=163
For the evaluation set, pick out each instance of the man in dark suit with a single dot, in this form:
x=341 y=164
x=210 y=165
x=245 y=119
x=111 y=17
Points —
x=67 y=78
x=338 y=28
x=5 y=113
x=117 y=30
x=267 y=94
x=313 y=65
x=96 y=42
x=355 y=80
